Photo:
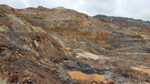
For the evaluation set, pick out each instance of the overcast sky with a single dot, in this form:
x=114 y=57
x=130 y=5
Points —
x=139 y=9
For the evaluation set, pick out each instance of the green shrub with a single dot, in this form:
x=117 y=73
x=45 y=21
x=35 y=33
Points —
x=0 y=15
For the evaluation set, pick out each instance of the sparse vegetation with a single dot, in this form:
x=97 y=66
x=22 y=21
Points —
x=0 y=15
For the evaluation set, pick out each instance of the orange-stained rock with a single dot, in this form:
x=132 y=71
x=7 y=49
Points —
x=63 y=46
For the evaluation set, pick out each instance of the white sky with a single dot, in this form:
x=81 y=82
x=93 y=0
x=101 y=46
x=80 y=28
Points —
x=139 y=9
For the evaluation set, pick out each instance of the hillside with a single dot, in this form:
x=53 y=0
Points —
x=124 y=21
x=63 y=46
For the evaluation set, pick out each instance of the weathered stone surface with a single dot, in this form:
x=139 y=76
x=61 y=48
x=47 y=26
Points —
x=63 y=46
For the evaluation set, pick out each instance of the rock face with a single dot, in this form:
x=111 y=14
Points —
x=63 y=46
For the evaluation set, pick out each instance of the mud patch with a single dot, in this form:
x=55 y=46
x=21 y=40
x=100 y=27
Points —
x=141 y=69
x=78 y=75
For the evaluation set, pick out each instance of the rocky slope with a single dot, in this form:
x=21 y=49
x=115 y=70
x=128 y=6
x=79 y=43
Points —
x=63 y=46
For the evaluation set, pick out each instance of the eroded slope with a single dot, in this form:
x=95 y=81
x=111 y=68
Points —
x=63 y=46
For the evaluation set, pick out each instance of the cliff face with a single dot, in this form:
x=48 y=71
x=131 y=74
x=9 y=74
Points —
x=63 y=46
